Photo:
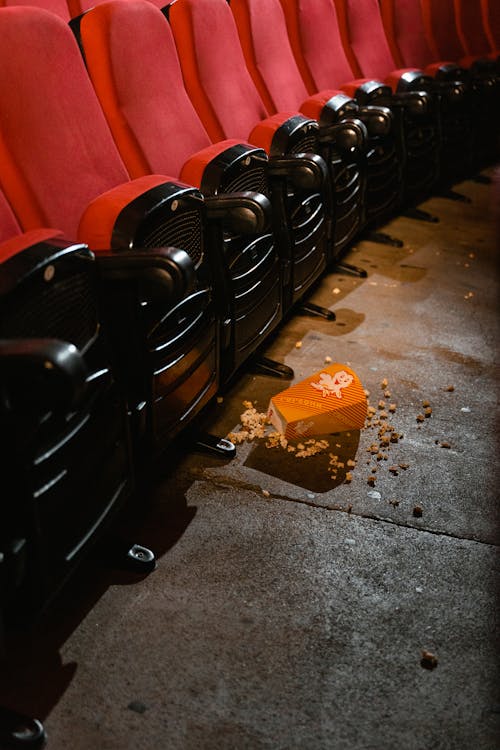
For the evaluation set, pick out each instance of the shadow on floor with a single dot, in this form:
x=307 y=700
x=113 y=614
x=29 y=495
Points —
x=33 y=677
x=314 y=473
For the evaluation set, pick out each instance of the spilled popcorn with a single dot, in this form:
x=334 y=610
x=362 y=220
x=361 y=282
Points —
x=254 y=425
x=387 y=435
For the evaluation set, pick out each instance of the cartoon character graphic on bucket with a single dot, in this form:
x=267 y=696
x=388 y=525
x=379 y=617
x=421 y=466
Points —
x=330 y=385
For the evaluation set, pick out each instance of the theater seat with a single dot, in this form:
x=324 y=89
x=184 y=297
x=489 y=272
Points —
x=471 y=29
x=379 y=59
x=304 y=253
x=65 y=460
x=405 y=34
x=322 y=57
x=440 y=26
x=59 y=166
x=66 y=464
x=490 y=10
x=270 y=61
x=229 y=105
x=132 y=62
x=403 y=67
x=472 y=33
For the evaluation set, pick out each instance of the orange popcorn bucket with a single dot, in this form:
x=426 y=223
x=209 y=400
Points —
x=331 y=400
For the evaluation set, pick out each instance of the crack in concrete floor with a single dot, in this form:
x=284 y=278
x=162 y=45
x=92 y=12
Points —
x=237 y=484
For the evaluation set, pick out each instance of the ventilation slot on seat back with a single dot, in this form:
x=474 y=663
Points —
x=63 y=309
x=308 y=144
x=183 y=230
x=251 y=179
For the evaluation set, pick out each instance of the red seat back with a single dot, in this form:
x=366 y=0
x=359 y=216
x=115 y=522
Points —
x=317 y=45
x=77 y=7
x=491 y=21
x=59 y=7
x=152 y=119
x=56 y=151
x=471 y=29
x=268 y=54
x=405 y=32
x=441 y=29
x=214 y=69
x=363 y=33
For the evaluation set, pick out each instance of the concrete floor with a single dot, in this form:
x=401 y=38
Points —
x=289 y=611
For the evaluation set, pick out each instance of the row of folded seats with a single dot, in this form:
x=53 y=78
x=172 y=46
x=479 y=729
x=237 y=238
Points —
x=173 y=183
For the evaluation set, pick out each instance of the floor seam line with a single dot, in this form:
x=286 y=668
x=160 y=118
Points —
x=299 y=501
